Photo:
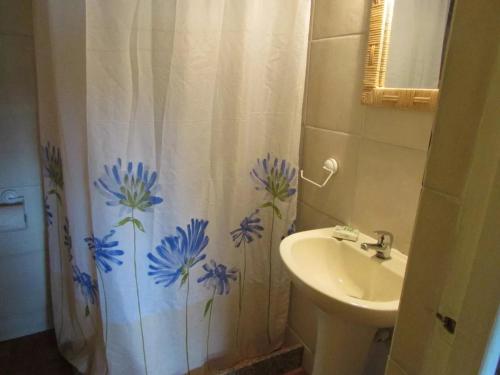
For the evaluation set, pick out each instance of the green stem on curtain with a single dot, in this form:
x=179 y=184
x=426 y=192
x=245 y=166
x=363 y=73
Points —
x=105 y=306
x=241 y=279
x=61 y=315
x=210 y=321
x=106 y=317
x=270 y=275
x=138 y=297
x=186 y=345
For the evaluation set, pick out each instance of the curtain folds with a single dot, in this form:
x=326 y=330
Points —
x=170 y=135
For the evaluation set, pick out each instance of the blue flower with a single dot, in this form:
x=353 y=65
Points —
x=48 y=214
x=217 y=277
x=52 y=167
x=104 y=251
x=129 y=188
x=68 y=243
x=276 y=177
x=291 y=230
x=177 y=254
x=88 y=287
x=249 y=228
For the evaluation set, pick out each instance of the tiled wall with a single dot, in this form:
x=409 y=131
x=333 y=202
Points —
x=381 y=151
x=453 y=267
x=23 y=292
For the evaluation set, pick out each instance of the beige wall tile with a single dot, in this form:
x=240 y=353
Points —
x=336 y=198
x=17 y=74
x=31 y=239
x=387 y=190
x=464 y=360
x=435 y=229
x=19 y=133
x=473 y=41
x=309 y=218
x=477 y=239
x=308 y=361
x=28 y=308
x=335 y=124
x=393 y=368
x=411 y=336
x=437 y=353
x=335 y=82
x=470 y=56
x=292 y=338
x=339 y=17
x=483 y=291
x=19 y=145
x=405 y=128
x=302 y=318
x=15 y=17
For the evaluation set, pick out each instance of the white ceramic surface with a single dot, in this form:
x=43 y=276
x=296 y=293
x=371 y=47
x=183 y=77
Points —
x=343 y=279
x=355 y=291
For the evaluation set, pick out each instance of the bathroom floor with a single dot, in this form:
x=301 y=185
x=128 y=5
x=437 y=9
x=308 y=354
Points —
x=38 y=355
x=33 y=354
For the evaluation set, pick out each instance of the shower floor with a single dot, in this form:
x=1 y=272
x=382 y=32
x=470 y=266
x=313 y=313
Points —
x=33 y=354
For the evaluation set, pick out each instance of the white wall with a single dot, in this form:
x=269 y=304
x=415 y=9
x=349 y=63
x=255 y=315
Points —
x=23 y=279
x=381 y=151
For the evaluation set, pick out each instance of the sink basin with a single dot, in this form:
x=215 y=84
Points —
x=355 y=291
x=343 y=279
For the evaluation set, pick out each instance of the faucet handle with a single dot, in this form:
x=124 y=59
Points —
x=384 y=238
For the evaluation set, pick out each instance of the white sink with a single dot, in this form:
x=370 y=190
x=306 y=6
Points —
x=356 y=293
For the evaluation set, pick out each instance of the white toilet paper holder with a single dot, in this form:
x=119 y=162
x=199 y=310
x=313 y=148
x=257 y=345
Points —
x=9 y=199
x=330 y=165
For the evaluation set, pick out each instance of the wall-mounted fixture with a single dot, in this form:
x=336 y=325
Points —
x=330 y=165
x=12 y=211
x=406 y=45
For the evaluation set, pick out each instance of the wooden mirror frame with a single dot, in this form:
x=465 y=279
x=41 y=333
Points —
x=374 y=92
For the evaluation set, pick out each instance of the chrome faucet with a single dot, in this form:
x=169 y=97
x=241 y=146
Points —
x=383 y=245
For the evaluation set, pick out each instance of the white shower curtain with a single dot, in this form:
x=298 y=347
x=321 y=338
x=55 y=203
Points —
x=170 y=134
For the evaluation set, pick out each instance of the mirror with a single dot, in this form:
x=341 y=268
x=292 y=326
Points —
x=416 y=43
x=405 y=52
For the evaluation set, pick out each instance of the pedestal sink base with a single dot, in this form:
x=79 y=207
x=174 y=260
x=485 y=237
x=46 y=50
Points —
x=341 y=346
x=354 y=292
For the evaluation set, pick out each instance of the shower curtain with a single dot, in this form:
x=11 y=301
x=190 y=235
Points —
x=169 y=132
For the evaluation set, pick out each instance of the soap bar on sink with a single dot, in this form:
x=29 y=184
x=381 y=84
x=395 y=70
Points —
x=345 y=232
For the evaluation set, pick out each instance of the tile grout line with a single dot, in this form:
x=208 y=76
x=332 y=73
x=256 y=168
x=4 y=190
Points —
x=339 y=36
x=321 y=212
x=442 y=194
x=363 y=137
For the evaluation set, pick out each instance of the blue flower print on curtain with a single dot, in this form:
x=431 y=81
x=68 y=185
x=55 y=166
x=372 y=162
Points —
x=88 y=287
x=250 y=228
x=217 y=279
x=52 y=169
x=133 y=190
x=291 y=230
x=48 y=212
x=105 y=253
x=130 y=189
x=278 y=179
x=176 y=256
x=68 y=243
